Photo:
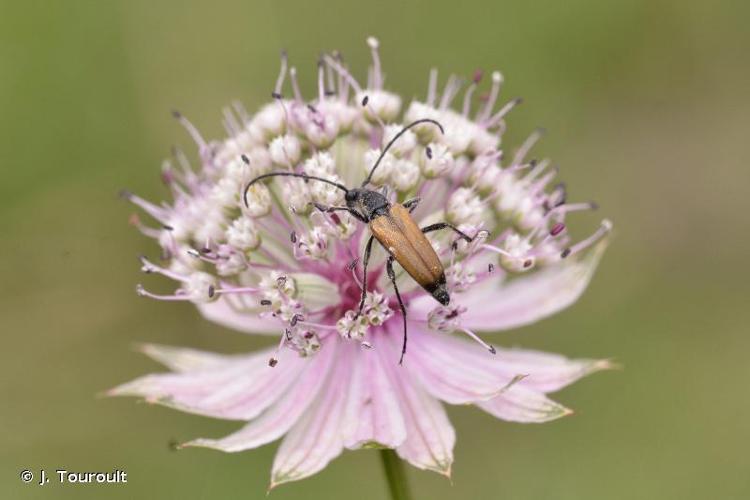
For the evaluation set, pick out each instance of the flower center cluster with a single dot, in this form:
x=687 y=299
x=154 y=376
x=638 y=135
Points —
x=277 y=254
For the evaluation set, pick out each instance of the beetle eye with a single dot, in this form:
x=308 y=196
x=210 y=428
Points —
x=350 y=196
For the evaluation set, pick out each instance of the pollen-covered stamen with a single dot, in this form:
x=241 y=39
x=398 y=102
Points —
x=376 y=308
x=497 y=120
x=526 y=146
x=295 y=85
x=459 y=277
x=604 y=228
x=470 y=92
x=432 y=87
x=149 y=267
x=198 y=287
x=151 y=232
x=377 y=74
x=192 y=131
x=497 y=81
x=282 y=76
x=158 y=213
x=452 y=86
x=312 y=245
x=516 y=254
x=478 y=340
x=352 y=326
x=445 y=319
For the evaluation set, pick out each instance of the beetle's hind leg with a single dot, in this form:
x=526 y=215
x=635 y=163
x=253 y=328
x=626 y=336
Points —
x=445 y=225
x=392 y=277
x=365 y=261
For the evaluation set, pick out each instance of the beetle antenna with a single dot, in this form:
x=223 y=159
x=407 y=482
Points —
x=397 y=137
x=290 y=174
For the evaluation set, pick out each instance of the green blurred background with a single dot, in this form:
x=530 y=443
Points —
x=647 y=110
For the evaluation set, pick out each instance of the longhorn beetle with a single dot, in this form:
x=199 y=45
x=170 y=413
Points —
x=394 y=228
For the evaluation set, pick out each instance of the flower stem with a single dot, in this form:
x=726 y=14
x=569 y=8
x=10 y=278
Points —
x=395 y=474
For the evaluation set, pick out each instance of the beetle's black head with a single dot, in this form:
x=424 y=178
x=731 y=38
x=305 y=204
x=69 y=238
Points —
x=369 y=203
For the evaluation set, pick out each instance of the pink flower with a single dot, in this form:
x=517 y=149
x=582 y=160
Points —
x=278 y=266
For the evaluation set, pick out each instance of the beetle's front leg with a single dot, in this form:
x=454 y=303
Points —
x=445 y=225
x=411 y=205
x=329 y=210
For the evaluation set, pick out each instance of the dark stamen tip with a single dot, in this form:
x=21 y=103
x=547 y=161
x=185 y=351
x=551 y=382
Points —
x=125 y=194
x=478 y=74
x=490 y=267
x=492 y=350
x=557 y=229
x=265 y=302
x=211 y=291
x=517 y=101
x=365 y=100
x=167 y=227
x=245 y=159
x=565 y=253
x=428 y=152
x=594 y=205
x=272 y=362
x=176 y=114
x=527 y=263
x=275 y=95
x=293 y=237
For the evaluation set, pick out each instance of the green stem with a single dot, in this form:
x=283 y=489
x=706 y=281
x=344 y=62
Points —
x=395 y=474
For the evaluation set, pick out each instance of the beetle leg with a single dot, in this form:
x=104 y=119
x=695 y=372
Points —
x=392 y=276
x=368 y=249
x=410 y=205
x=445 y=225
x=326 y=209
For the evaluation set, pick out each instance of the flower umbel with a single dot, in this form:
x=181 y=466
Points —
x=281 y=266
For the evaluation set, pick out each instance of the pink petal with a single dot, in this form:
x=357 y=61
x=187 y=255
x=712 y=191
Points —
x=278 y=419
x=239 y=389
x=372 y=417
x=429 y=434
x=183 y=359
x=454 y=370
x=494 y=305
x=521 y=404
x=460 y=371
x=316 y=438
x=224 y=313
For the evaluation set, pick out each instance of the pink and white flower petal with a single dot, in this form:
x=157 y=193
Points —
x=280 y=417
x=454 y=360
x=223 y=313
x=430 y=437
x=447 y=375
x=521 y=404
x=373 y=416
x=524 y=300
x=316 y=438
x=236 y=390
